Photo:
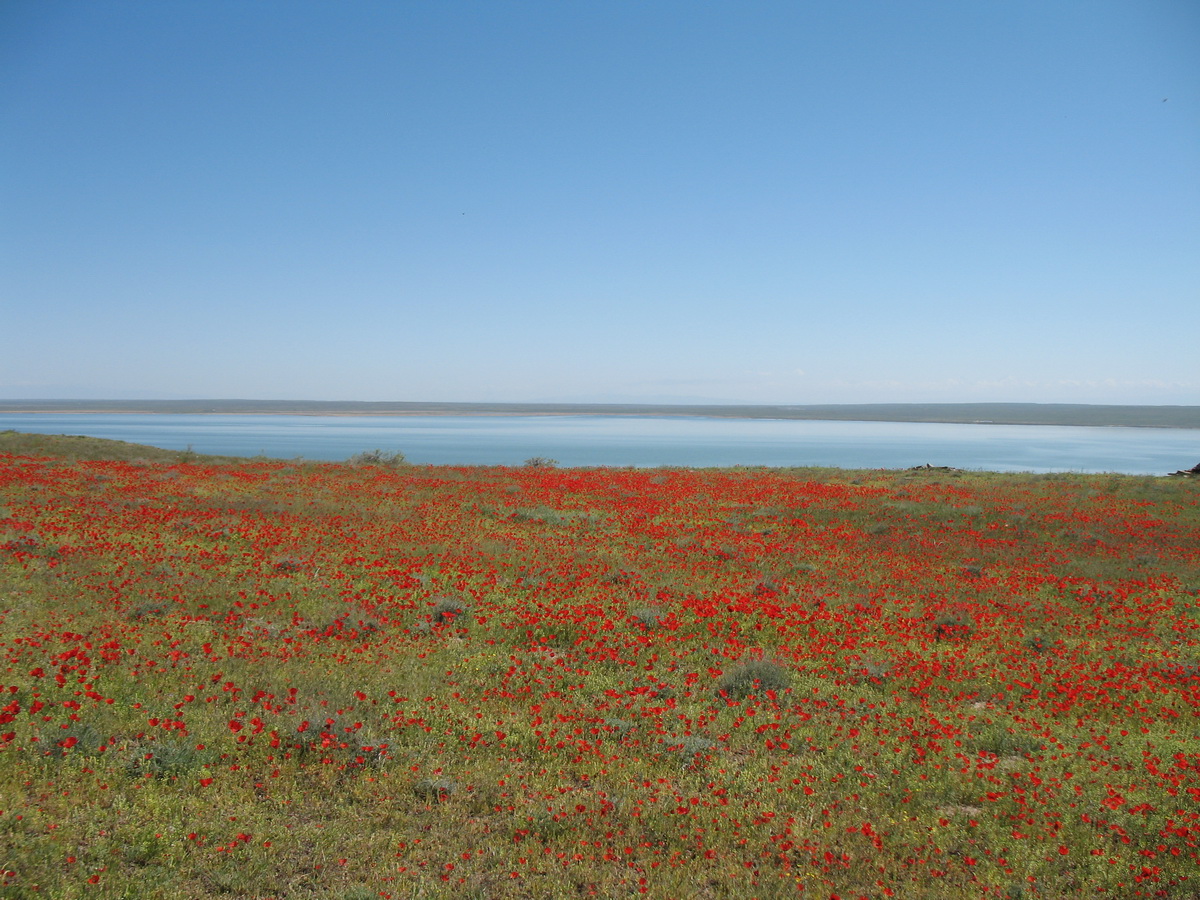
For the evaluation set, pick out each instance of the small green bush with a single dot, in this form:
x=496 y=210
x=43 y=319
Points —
x=447 y=610
x=164 y=759
x=767 y=586
x=873 y=671
x=758 y=676
x=77 y=738
x=1004 y=742
x=540 y=462
x=434 y=791
x=695 y=751
x=953 y=627
x=618 y=576
x=287 y=565
x=1038 y=643
x=378 y=458
x=618 y=729
x=648 y=617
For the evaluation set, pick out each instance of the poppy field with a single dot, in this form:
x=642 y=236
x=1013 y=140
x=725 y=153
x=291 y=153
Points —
x=294 y=679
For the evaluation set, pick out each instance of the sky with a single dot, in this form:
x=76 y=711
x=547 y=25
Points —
x=659 y=201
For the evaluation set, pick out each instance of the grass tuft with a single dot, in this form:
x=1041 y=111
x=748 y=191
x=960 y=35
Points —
x=755 y=677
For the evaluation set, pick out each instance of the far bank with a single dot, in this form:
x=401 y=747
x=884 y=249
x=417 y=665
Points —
x=1080 y=414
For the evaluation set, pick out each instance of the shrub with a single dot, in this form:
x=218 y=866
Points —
x=954 y=627
x=447 y=610
x=753 y=677
x=662 y=691
x=378 y=458
x=1183 y=669
x=1003 y=742
x=618 y=576
x=648 y=617
x=365 y=628
x=287 y=565
x=1038 y=643
x=767 y=586
x=873 y=671
x=434 y=791
x=164 y=759
x=540 y=462
x=548 y=825
x=76 y=738
x=695 y=751
x=618 y=729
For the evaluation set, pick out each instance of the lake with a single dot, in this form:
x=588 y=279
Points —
x=645 y=441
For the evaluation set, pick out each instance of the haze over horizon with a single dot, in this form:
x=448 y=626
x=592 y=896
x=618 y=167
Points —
x=764 y=203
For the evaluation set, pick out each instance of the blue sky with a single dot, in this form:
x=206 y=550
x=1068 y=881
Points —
x=784 y=202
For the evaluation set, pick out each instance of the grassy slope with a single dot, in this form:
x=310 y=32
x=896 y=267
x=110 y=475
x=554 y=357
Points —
x=79 y=447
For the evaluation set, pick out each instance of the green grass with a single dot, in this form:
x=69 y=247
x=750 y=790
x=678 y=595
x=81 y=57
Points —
x=79 y=447
x=262 y=679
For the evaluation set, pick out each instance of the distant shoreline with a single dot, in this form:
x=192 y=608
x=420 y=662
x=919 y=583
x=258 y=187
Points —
x=1095 y=415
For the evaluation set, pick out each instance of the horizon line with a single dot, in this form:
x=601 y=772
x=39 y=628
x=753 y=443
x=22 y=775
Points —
x=976 y=413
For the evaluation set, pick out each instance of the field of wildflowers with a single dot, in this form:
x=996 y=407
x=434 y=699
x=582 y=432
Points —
x=271 y=679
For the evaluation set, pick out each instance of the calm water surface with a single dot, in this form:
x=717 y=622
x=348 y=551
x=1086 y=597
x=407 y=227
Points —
x=647 y=440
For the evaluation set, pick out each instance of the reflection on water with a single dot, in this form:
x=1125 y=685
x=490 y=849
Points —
x=647 y=440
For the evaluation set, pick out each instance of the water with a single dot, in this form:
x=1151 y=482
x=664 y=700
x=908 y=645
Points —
x=646 y=440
